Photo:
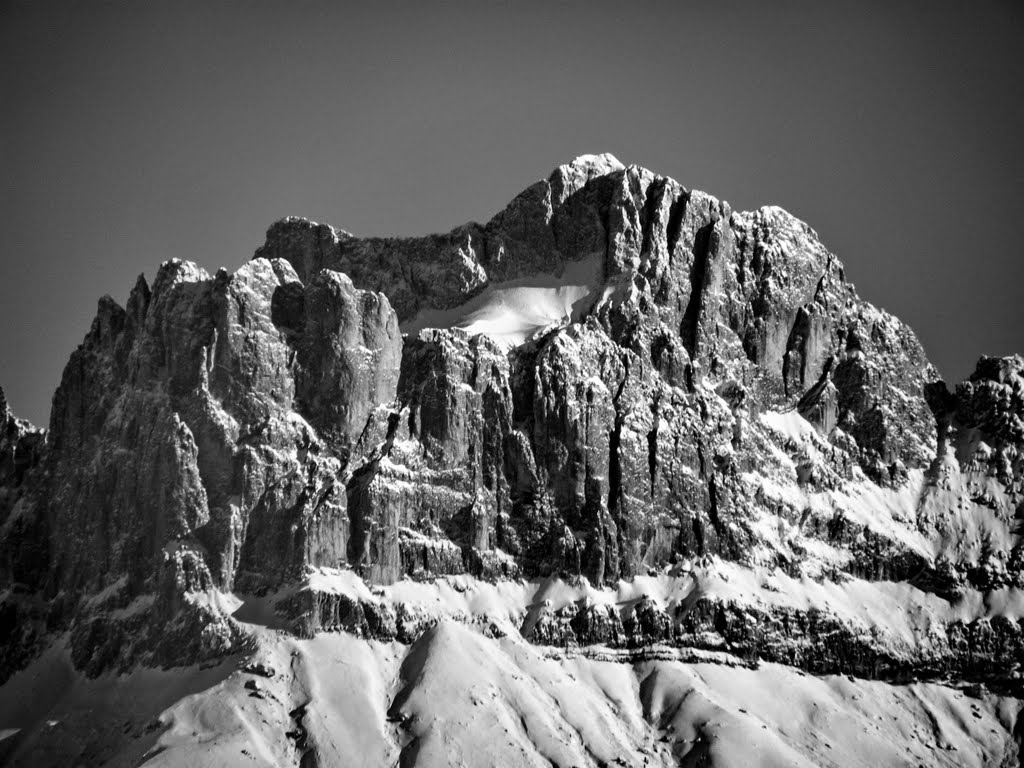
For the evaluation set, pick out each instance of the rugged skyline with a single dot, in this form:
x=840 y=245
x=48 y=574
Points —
x=135 y=135
x=685 y=483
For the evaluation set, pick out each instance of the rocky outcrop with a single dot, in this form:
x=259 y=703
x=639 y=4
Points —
x=984 y=419
x=178 y=460
x=23 y=613
x=722 y=391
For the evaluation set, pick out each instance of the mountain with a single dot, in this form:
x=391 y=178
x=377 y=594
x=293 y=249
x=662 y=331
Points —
x=620 y=477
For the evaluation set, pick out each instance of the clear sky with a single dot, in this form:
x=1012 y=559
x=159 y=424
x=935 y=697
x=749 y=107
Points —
x=131 y=133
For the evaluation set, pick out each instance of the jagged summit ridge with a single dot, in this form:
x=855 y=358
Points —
x=656 y=421
x=703 y=276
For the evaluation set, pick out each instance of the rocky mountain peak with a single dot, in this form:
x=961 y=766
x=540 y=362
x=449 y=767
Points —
x=614 y=381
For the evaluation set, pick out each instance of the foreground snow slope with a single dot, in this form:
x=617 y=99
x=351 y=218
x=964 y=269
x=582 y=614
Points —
x=458 y=697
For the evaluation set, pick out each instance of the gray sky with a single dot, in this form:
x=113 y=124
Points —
x=133 y=133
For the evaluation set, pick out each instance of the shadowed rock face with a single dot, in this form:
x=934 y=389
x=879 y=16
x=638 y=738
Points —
x=222 y=433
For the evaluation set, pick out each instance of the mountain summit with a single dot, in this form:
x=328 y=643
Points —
x=620 y=475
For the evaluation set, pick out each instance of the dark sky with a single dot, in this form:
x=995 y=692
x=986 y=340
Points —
x=132 y=133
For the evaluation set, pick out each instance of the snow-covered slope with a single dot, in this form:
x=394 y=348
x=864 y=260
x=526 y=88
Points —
x=456 y=697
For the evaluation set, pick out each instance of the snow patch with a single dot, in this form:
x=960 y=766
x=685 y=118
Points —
x=789 y=425
x=514 y=311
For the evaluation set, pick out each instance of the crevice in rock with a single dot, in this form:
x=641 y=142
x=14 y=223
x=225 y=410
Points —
x=698 y=535
x=796 y=346
x=698 y=276
x=716 y=521
x=654 y=194
x=810 y=398
x=652 y=455
x=675 y=222
x=615 y=470
x=356 y=491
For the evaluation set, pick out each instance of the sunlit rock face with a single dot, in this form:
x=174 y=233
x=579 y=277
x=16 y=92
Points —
x=641 y=419
x=615 y=436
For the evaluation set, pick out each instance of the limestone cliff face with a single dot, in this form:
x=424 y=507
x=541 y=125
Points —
x=613 y=444
x=179 y=458
x=223 y=433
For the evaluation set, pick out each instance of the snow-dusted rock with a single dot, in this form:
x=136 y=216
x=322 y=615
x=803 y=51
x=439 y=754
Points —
x=618 y=419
